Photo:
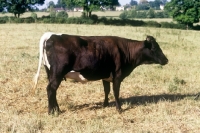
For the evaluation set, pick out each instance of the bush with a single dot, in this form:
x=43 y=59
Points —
x=94 y=17
x=197 y=27
x=103 y=20
x=52 y=14
x=86 y=21
x=62 y=14
x=45 y=16
x=34 y=15
x=166 y=14
x=152 y=24
x=49 y=20
x=79 y=20
x=4 y=19
x=61 y=20
x=151 y=13
x=136 y=22
x=142 y=14
x=3 y=12
x=172 y=25
x=118 y=22
x=161 y=14
x=143 y=7
x=28 y=20
x=124 y=15
x=71 y=20
x=15 y=20
x=132 y=14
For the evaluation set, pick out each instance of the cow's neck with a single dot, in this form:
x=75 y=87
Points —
x=135 y=55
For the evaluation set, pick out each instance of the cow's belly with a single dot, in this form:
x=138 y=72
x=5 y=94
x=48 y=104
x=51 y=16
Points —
x=80 y=78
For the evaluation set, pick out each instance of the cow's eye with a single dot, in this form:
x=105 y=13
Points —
x=153 y=48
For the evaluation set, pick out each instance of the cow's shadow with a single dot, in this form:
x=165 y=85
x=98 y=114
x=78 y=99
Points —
x=138 y=100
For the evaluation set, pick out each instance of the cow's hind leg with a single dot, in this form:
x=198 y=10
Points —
x=54 y=81
x=116 y=89
x=106 y=86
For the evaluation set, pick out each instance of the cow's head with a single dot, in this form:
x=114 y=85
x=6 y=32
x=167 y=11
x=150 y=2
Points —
x=152 y=52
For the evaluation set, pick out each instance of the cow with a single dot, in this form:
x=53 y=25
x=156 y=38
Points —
x=90 y=58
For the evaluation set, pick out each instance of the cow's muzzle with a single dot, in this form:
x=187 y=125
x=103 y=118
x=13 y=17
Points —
x=164 y=62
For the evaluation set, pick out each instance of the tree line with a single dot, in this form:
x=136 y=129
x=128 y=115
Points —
x=185 y=12
x=151 y=13
x=18 y=7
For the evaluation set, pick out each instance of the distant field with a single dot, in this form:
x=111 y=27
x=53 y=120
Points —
x=71 y=14
x=157 y=19
x=114 y=14
x=154 y=98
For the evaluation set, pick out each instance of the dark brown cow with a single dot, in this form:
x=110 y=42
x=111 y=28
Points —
x=89 y=58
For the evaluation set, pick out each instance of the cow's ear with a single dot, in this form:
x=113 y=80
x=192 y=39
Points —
x=148 y=39
x=147 y=44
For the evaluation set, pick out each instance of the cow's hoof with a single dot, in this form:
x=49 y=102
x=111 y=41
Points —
x=105 y=104
x=120 y=110
x=54 y=112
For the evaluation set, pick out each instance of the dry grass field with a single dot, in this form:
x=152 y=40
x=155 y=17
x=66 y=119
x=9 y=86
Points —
x=154 y=98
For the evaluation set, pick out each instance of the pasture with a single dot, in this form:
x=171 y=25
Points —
x=154 y=98
x=71 y=14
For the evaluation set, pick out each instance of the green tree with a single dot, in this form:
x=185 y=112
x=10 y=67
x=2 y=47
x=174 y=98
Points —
x=70 y=4
x=144 y=6
x=124 y=15
x=51 y=4
x=163 y=2
x=62 y=14
x=151 y=13
x=52 y=12
x=1 y=7
x=62 y=4
x=155 y=4
x=133 y=13
x=90 y=5
x=133 y=3
x=184 y=11
x=34 y=15
x=143 y=1
x=18 y=7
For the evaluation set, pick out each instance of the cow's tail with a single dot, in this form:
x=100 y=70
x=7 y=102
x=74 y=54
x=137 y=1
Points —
x=43 y=39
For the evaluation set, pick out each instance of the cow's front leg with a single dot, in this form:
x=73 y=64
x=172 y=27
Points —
x=116 y=89
x=51 y=93
x=106 y=86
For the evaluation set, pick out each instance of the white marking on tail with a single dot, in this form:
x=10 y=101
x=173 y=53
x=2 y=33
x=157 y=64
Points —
x=42 y=56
